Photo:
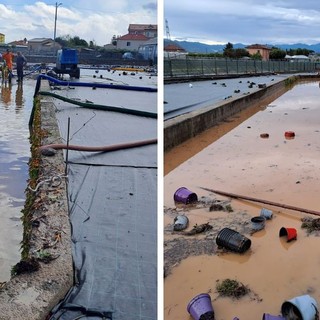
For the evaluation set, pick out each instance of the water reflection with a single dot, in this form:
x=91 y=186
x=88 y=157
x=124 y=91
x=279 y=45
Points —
x=6 y=93
x=19 y=97
x=15 y=107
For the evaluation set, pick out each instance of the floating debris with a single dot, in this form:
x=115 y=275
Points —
x=310 y=224
x=198 y=229
x=232 y=288
x=180 y=223
x=25 y=266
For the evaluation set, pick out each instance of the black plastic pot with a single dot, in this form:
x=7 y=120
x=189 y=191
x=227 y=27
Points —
x=233 y=240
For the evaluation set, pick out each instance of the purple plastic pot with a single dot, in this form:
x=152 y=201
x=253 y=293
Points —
x=199 y=306
x=267 y=316
x=185 y=196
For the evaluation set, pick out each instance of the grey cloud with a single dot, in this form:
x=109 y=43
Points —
x=150 y=6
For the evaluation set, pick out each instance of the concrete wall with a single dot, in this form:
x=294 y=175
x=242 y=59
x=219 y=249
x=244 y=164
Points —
x=184 y=127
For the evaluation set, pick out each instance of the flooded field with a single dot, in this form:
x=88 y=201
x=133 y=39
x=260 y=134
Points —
x=277 y=169
x=15 y=108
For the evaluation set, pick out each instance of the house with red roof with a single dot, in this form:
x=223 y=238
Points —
x=138 y=35
x=131 y=42
x=263 y=50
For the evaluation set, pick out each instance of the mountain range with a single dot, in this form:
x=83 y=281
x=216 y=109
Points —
x=199 y=47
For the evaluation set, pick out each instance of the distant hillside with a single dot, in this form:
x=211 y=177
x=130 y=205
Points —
x=199 y=47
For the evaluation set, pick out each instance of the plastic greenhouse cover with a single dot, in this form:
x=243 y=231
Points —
x=113 y=213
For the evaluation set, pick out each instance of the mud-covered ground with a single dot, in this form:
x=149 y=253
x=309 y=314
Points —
x=179 y=246
x=241 y=162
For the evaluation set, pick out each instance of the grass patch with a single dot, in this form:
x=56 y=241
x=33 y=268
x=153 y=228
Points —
x=310 y=224
x=231 y=288
x=36 y=136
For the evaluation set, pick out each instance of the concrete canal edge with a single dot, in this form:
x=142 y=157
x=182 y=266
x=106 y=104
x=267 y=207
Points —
x=181 y=128
x=32 y=295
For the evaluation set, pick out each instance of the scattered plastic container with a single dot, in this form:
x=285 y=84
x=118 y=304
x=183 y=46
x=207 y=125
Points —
x=180 y=223
x=258 y=223
x=266 y=213
x=201 y=307
x=233 y=240
x=305 y=307
x=267 y=316
x=291 y=233
x=289 y=134
x=185 y=196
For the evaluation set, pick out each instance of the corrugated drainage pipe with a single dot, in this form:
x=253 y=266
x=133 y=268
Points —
x=109 y=148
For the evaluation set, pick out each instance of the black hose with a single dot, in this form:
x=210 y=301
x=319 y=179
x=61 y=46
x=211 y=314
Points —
x=89 y=84
x=101 y=107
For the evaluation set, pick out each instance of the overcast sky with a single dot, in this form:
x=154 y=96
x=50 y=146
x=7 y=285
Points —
x=244 y=21
x=96 y=20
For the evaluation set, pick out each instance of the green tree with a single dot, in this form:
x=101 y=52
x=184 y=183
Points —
x=277 y=54
x=240 y=53
x=228 y=50
x=256 y=56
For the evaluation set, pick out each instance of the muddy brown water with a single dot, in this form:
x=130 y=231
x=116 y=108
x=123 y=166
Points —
x=276 y=169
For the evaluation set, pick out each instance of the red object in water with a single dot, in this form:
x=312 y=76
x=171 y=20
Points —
x=289 y=134
x=291 y=233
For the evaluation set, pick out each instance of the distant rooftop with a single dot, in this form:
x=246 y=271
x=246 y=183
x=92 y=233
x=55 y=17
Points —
x=258 y=46
x=132 y=37
x=142 y=27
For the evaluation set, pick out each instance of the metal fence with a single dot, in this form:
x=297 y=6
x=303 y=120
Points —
x=216 y=66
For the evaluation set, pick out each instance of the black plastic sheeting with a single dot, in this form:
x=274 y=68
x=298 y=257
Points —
x=113 y=213
x=89 y=84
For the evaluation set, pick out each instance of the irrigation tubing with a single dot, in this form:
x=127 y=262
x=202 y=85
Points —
x=109 y=148
x=89 y=84
x=101 y=107
x=276 y=204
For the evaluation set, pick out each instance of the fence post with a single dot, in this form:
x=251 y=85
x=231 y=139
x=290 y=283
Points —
x=187 y=66
x=215 y=66
x=227 y=65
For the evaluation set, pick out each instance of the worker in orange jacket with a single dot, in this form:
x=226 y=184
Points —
x=8 y=57
x=7 y=67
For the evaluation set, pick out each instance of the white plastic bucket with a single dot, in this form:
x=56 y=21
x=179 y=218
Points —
x=305 y=306
x=266 y=213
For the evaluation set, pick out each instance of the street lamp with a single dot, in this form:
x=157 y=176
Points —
x=55 y=20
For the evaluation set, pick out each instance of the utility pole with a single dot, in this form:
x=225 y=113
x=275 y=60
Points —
x=167 y=30
x=55 y=21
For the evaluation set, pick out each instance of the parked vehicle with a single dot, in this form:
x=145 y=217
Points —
x=67 y=63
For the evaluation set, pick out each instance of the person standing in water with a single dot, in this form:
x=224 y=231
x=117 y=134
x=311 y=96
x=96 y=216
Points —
x=20 y=62
x=8 y=58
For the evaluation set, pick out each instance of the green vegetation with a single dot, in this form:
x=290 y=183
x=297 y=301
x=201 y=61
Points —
x=289 y=82
x=67 y=41
x=230 y=52
x=311 y=224
x=277 y=54
x=231 y=288
x=34 y=165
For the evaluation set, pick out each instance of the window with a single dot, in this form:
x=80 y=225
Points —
x=128 y=43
